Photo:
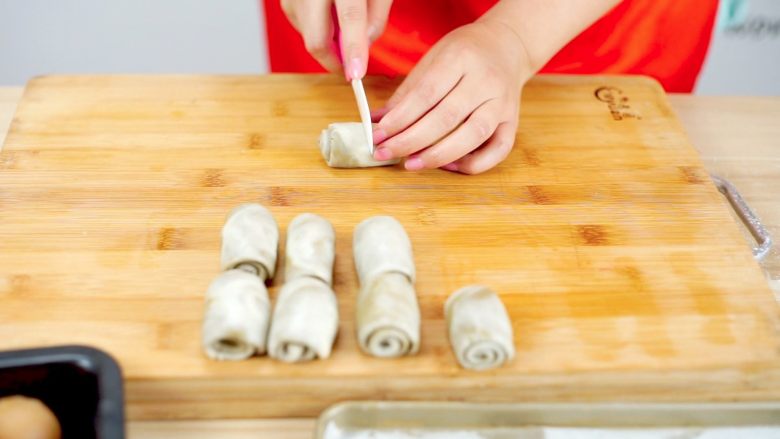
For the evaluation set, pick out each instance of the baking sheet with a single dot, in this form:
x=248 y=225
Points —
x=419 y=420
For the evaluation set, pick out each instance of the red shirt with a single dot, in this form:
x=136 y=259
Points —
x=665 y=39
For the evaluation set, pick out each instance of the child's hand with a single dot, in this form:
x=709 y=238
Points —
x=458 y=108
x=361 y=22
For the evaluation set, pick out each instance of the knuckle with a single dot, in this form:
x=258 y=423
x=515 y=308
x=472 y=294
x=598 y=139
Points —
x=396 y=97
x=378 y=25
x=482 y=127
x=352 y=48
x=449 y=116
x=352 y=13
x=314 y=45
x=388 y=124
x=468 y=49
x=426 y=92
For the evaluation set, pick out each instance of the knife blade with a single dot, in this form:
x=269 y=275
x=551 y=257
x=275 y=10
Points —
x=365 y=113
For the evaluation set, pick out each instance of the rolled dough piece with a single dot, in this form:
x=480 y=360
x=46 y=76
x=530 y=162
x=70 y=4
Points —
x=250 y=239
x=344 y=145
x=305 y=322
x=311 y=248
x=306 y=317
x=237 y=314
x=479 y=328
x=388 y=315
x=22 y=417
x=381 y=245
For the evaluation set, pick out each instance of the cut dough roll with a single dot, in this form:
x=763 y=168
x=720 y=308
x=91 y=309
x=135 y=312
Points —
x=250 y=238
x=344 y=145
x=381 y=245
x=305 y=322
x=237 y=314
x=388 y=316
x=479 y=328
x=306 y=317
x=311 y=243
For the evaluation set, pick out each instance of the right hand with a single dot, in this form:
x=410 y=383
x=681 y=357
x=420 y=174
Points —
x=361 y=22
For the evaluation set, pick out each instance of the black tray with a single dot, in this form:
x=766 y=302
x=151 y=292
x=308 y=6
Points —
x=81 y=385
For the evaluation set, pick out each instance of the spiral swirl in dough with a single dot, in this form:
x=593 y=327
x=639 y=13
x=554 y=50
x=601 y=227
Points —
x=388 y=315
x=305 y=321
x=479 y=328
x=250 y=238
x=306 y=318
x=237 y=314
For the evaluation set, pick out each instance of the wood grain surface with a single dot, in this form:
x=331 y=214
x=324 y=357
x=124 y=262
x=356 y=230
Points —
x=619 y=263
x=739 y=139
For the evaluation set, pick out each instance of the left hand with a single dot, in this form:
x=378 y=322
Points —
x=458 y=108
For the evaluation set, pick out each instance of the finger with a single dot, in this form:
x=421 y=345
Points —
x=477 y=129
x=436 y=83
x=445 y=117
x=317 y=30
x=378 y=11
x=353 y=18
x=489 y=155
x=409 y=82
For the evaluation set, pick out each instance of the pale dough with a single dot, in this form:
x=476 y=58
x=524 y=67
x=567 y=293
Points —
x=237 y=314
x=479 y=328
x=344 y=145
x=250 y=239
x=310 y=248
x=388 y=315
x=381 y=245
x=305 y=319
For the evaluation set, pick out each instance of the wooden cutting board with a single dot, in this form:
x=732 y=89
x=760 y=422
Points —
x=624 y=274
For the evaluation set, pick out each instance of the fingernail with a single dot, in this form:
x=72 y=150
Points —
x=379 y=136
x=451 y=167
x=414 y=164
x=382 y=154
x=354 y=71
x=371 y=32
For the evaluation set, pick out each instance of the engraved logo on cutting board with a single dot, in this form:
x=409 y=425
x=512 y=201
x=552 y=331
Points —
x=617 y=102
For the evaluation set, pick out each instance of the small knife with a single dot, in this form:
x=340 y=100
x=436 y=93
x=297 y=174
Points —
x=357 y=88
x=365 y=113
